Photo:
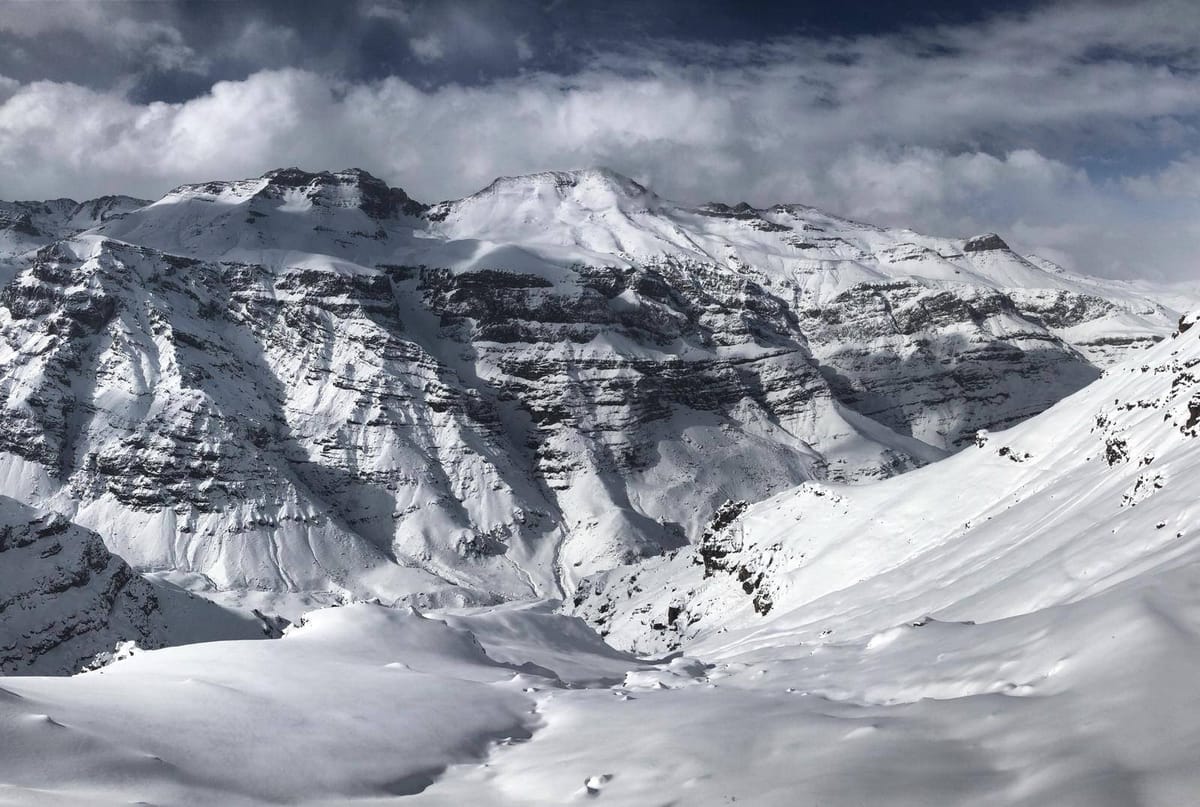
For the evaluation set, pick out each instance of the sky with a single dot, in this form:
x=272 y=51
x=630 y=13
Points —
x=1070 y=128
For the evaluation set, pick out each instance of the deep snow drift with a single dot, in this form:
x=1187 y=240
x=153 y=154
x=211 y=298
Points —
x=1015 y=625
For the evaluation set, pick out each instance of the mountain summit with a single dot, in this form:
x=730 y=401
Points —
x=580 y=182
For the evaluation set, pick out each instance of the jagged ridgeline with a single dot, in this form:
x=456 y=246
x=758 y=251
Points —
x=312 y=382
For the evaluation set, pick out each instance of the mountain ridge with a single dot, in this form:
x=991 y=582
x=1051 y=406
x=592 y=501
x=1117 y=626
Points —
x=1014 y=530
x=67 y=602
x=310 y=381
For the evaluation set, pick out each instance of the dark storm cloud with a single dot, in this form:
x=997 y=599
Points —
x=1071 y=127
x=172 y=51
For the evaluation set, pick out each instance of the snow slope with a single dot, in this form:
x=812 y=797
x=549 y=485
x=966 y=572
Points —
x=1091 y=494
x=1016 y=625
x=571 y=371
x=1052 y=662
x=933 y=337
x=359 y=704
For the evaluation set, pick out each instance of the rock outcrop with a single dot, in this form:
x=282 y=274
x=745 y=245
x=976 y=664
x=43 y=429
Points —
x=64 y=598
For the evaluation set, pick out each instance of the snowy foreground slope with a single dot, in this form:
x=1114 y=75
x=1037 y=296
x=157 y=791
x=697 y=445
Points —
x=1016 y=625
x=310 y=382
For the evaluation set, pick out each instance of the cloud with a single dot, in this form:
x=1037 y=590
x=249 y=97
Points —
x=1021 y=125
x=964 y=192
x=260 y=42
x=427 y=48
x=387 y=11
x=1121 y=228
x=1180 y=179
x=523 y=48
x=8 y=87
x=153 y=42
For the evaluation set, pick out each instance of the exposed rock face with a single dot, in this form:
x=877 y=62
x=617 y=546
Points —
x=718 y=542
x=984 y=243
x=310 y=381
x=720 y=551
x=291 y=430
x=64 y=597
x=940 y=364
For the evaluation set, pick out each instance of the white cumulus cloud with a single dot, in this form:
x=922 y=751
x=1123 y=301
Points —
x=1016 y=126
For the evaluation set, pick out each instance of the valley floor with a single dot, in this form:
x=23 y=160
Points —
x=1091 y=703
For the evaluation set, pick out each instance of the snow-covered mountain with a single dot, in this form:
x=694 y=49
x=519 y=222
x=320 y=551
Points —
x=28 y=225
x=312 y=382
x=1012 y=626
x=1096 y=495
x=65 y=599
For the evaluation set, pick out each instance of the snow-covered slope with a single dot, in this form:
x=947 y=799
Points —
x=1096 y=494
x=64 y=599
x=311 y=382
x=360 y=704
x=933 y=337
x=1014 y=626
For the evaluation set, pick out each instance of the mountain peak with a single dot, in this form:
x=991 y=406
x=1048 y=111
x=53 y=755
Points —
x=984 y=243
x=742 y=210
x=298 y=177
x=566 y=182
x=350 y=187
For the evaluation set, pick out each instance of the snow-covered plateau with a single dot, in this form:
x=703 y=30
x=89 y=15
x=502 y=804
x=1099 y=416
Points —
x=607 y=498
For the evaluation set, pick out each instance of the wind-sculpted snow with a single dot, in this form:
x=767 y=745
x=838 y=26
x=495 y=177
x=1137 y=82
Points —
x=311 y=382
x=359 y=703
